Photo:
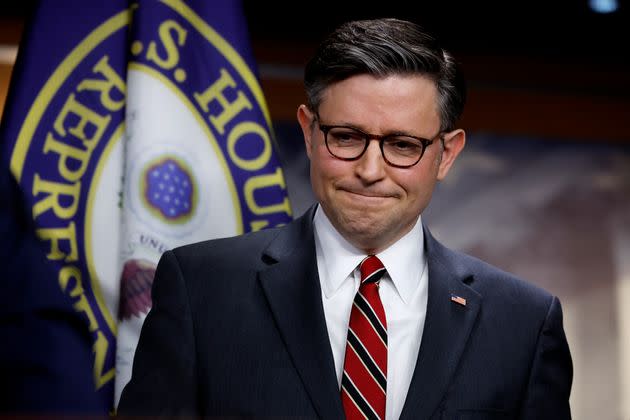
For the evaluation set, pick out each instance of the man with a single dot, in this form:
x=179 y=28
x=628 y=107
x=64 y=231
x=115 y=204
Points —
x=354 y=309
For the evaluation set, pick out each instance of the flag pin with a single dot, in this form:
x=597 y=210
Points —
x=458 y=299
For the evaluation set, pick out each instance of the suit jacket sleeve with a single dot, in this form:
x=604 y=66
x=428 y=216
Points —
x=163 y=376
x=552 y=371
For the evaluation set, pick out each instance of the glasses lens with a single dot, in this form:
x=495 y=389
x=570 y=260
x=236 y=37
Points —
x=345 y=143
x=402 y=150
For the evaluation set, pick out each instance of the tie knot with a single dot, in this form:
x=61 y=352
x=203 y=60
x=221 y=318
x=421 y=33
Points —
x=372 y=269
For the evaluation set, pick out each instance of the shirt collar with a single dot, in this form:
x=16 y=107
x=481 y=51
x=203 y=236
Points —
x=404 y=260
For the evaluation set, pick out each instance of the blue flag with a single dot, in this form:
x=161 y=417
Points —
x=130 y=128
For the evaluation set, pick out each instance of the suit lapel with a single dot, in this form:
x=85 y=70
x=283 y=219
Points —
x=447 y=327
x=291 y=284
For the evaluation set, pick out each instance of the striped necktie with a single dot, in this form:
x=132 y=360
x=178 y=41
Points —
x=364 y=381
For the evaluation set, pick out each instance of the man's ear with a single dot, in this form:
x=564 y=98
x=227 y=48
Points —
x=305 y=118
x=453 y=142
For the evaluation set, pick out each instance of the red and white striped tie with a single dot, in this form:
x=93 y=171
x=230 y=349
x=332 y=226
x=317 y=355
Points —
x=364 y=381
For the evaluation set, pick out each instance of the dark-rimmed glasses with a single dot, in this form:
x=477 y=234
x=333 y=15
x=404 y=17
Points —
x=398 y=150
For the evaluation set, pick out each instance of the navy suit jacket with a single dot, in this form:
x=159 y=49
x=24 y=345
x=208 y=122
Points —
x=237 y=329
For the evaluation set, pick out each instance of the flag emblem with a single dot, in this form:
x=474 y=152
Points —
x=458 y=299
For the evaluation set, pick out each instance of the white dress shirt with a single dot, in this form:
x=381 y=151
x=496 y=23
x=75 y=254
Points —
x=403 y=291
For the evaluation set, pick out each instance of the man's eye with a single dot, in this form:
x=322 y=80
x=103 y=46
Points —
x=403 y=145
x=347 y=136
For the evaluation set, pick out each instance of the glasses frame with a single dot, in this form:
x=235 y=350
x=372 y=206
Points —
x=381 y=140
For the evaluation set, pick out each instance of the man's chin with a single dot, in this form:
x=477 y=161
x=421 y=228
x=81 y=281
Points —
x=364 y=233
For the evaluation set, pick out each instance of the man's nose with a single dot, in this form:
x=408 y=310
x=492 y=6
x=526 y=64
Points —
x=371 y=165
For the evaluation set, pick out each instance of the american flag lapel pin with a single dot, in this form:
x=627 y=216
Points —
x=458 y=299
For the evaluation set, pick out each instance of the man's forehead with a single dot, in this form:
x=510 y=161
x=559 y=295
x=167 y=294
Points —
x=369 y=102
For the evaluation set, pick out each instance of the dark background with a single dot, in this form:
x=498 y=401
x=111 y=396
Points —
x=554 y=29
x=549 y=29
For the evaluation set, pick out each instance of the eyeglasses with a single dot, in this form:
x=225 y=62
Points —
x=400 y=151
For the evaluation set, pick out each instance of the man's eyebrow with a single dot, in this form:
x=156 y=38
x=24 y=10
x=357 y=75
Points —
x=394 y=132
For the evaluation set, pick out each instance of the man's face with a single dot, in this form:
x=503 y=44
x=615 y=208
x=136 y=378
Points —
x=371 y=203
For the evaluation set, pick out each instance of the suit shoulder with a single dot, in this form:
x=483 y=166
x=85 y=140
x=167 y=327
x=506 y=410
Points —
x=492 y=281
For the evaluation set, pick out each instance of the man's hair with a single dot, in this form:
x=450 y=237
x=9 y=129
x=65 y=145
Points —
x=384 y=47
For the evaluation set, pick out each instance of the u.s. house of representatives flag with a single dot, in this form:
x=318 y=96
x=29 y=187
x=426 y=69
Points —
x=135 y=127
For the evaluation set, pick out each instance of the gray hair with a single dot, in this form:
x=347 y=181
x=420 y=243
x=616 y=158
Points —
x=383 y=47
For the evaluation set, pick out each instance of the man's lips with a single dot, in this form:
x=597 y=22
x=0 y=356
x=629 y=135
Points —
x=367 y=194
